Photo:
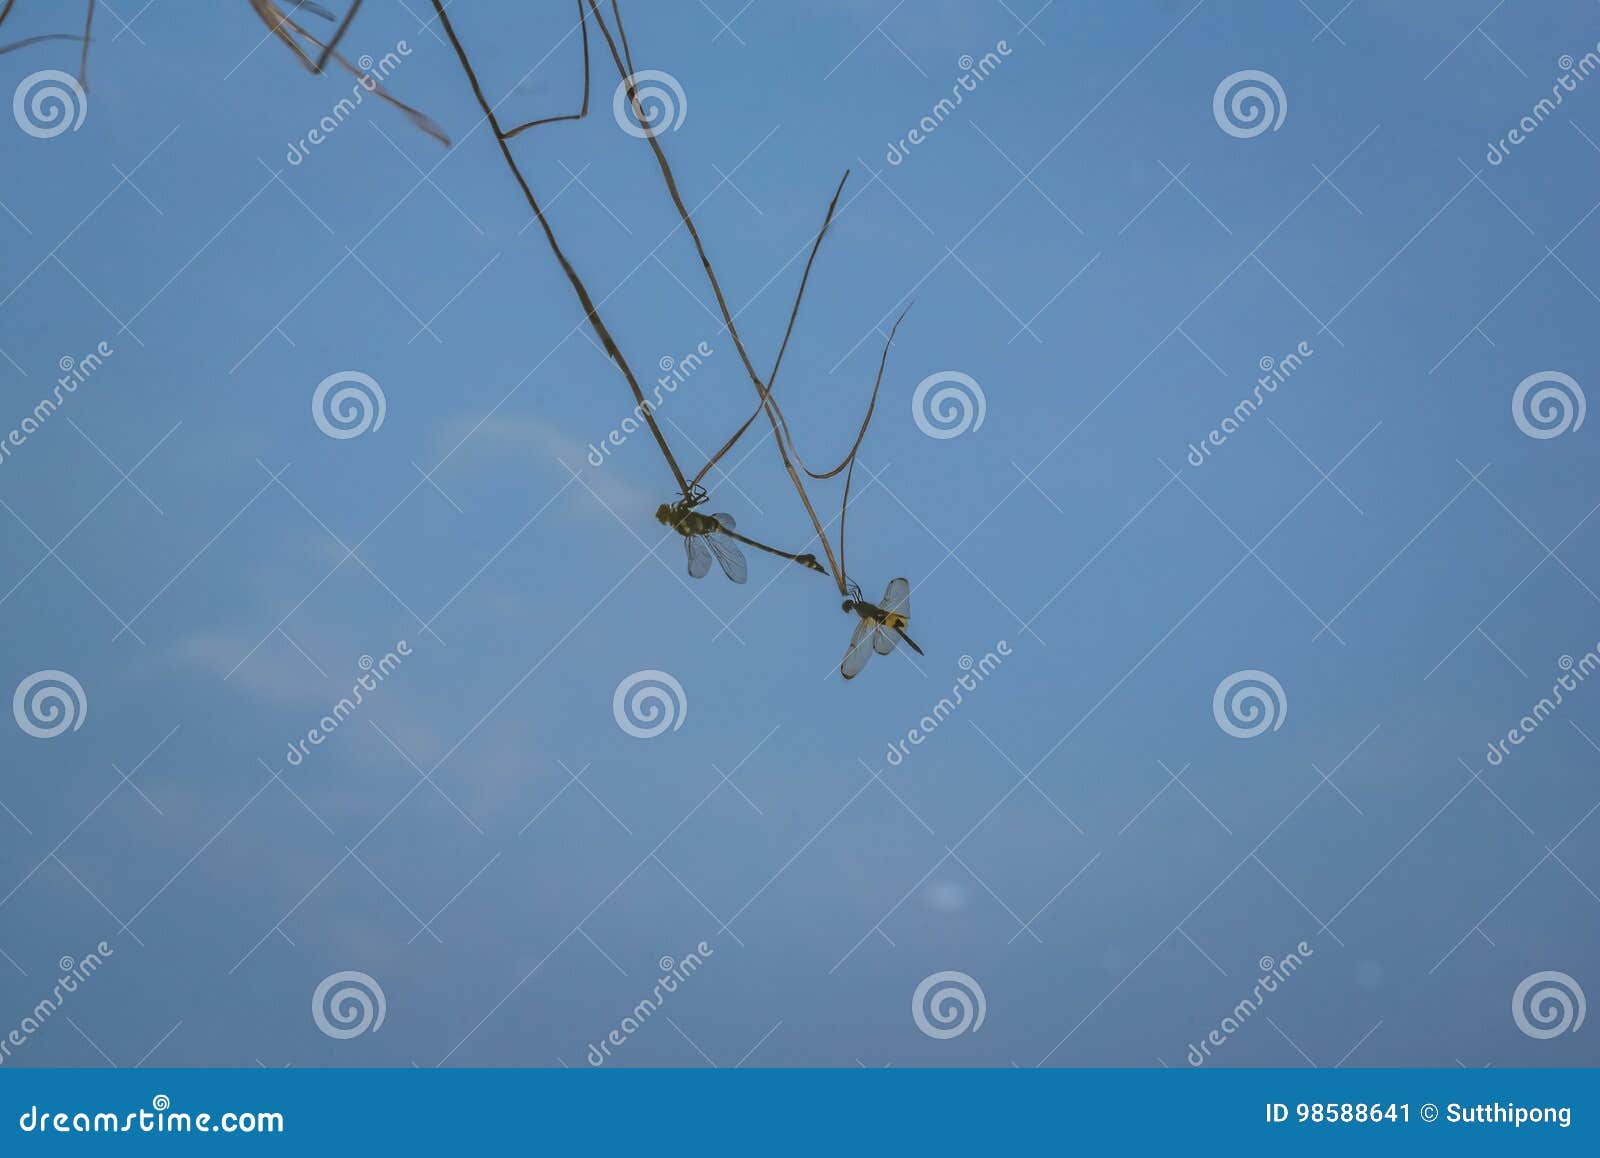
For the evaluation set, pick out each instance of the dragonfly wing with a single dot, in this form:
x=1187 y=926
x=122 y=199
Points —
x=882 y=640
x=726 y=521
x=897 y=597
x=859 y=651
x=729 y=555
x=699 y=555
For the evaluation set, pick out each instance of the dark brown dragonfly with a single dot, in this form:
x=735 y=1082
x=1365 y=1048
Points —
x=716 y=536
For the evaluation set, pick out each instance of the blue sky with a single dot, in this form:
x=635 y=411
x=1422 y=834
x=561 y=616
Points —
x=1085 y=241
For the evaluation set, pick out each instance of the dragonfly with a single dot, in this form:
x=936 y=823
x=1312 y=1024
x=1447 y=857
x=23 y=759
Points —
x=717 y=535
x=872 y=633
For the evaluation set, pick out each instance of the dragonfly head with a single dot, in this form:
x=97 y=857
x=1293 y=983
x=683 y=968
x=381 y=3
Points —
x=849 y=606
x=664 y=514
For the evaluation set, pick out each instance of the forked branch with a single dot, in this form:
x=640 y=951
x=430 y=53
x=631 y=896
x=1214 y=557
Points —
x=589 y=309
x=768 y=404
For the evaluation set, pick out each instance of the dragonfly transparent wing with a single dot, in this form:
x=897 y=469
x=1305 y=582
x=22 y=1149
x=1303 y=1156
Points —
x=699 y=555
x=729 y=555
x=897 y=598
x=726 y=521
x=859 y=651
x=883 y=640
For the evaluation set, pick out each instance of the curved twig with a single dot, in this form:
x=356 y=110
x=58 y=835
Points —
x=583 y=110
x=850 y=459
x=778 y=361
x=27 y=40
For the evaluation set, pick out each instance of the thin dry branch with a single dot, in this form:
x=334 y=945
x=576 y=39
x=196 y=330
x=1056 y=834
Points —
x=83 y=60
x=285 y=28
x=625 y=71
x=327 y=49
x=279 y=24
x=589 y=309
x=27 y=40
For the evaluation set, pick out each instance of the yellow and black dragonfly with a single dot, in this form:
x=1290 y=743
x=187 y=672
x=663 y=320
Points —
x=876 y=623
x=708 y=536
